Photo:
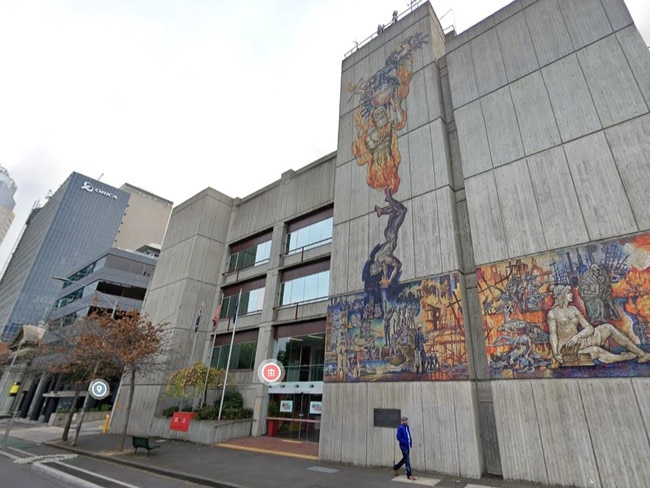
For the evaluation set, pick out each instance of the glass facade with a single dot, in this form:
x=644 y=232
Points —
x=305 y=288
x=314 y=235
x=77 y=223
x=242 y=356
x=302 y=357
x=252 y=256
x=251 y=302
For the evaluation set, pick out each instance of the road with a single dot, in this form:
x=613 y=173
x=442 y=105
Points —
x=45 y=467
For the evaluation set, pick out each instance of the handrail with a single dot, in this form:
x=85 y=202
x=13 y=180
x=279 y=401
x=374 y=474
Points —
x=380 y=28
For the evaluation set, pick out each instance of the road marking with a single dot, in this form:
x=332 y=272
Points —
x=51 y=458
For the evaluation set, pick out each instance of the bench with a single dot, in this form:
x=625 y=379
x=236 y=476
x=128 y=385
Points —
x=142 y=442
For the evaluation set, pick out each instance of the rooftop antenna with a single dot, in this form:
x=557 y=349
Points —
x=100 y=177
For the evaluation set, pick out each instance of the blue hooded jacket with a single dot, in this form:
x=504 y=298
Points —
x=404 y=437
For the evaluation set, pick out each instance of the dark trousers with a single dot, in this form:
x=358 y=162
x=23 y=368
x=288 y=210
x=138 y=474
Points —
x=406 y=460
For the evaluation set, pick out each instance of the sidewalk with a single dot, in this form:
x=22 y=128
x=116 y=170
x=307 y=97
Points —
x=243 y=463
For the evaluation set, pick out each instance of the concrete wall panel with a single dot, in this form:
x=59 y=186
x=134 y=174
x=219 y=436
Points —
x=521 y=222
x=428 y=259
x=442 y=169
x=537 y=123
x=559 y=210
x=630 y=145
x=488 y=234
x=340 y=258
x=343 y=191
x=502 y=127
x=330 y=445
x=358 y=250
x=517 y=47
x=461 y=76
x=520 y=441
x=355 y=430
x=617 y=13
x=618 y=438
x=605 y=207
x=565 y=434
x=548 y=31
x=472 y=137
x=611 y=82
x=586 y=21
x=449 y=232
x=573 y=106
x=488 y=62
x=421 y=161
x=636 y=53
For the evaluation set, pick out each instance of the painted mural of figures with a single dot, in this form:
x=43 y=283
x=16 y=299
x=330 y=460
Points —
x=384 y=261
x=387 y=328
x=566 y=340
x=596 y=291
x=420 y=353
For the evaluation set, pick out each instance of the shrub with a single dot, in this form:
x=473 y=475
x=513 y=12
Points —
x=169 y=411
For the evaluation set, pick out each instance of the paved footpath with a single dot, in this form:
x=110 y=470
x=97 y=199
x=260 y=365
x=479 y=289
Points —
x=239 y=466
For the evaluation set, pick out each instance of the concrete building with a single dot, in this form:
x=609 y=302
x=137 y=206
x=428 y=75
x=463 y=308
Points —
x=7 y=203
x=487 y=270
x=83 y=218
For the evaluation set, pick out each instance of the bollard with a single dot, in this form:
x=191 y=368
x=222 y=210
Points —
x=106 y=422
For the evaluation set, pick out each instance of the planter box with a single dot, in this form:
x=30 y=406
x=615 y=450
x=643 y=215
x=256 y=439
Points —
x=58 y=419
x=200 y=431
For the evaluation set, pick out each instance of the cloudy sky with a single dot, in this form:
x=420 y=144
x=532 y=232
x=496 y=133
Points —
x=175 y=95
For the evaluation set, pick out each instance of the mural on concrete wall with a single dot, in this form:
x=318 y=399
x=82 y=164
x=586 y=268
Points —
x=378 y=118
x=581 y=312
x=410 y=331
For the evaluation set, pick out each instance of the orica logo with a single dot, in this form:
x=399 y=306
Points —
x=90 y=188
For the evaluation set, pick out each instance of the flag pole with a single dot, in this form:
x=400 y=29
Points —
x=232 y=339
x=215 y=323
x=197 y=321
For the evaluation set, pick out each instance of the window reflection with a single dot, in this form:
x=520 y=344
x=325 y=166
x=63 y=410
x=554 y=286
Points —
x=305 y=288
x=313 y=235
x=252 y=256
x=302 y=357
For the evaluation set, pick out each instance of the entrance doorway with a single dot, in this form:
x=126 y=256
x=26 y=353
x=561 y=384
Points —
x=295 y=416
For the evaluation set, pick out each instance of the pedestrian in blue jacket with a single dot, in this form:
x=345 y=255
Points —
x=405 y=445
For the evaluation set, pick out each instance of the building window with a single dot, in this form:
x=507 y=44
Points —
x=252 y=298
x=310 y=232
x=249 y=253
x=310 y=282
x=243 y=352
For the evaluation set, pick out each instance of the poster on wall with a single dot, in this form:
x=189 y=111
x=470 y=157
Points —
x=580 y=312
x=286 y=406
x=315 y=408
x=413 y=331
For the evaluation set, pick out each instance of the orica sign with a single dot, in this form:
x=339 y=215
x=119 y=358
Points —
x=90 y=188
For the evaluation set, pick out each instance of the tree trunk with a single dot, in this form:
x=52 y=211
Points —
x=129 y=403
x=73 y=409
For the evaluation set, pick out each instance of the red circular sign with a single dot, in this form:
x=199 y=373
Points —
x=271 y=372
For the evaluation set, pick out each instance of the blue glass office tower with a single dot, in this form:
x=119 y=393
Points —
x=79 y=221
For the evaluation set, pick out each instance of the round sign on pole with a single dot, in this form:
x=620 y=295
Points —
x=99 y=389
x=270 y=372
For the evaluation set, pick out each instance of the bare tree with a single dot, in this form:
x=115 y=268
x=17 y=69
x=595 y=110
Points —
x=132 y=342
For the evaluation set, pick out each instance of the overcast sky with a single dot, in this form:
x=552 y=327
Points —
x=173 y=96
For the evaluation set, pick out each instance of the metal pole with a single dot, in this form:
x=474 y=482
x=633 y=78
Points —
x=196 y=332
x=232 y=339
x=209 y=365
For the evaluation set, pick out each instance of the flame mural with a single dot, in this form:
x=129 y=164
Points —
x=581 y=312
x=378 y=117
x=392 y=331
